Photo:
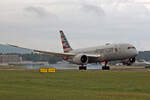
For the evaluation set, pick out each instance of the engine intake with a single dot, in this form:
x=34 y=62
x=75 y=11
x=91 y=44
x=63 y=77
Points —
x=80 y=59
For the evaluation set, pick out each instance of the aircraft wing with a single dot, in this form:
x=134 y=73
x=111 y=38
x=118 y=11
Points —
x=19 y=47
x=56 y=54
x=63 y=55
x=46 y=52
x=67 y=55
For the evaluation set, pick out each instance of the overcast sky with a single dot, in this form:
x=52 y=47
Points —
x=36 y=23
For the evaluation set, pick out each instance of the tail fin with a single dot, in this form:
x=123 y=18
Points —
x=66 y=46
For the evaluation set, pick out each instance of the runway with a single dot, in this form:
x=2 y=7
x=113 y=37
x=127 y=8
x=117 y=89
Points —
x=68 y=67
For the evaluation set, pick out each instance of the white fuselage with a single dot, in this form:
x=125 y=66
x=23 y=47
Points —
x=110 y=52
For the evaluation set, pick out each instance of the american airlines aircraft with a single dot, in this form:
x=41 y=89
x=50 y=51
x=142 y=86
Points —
x=105 y=53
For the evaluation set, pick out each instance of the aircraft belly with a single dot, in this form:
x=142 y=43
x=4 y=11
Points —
x=114 y=56
x=109 y=57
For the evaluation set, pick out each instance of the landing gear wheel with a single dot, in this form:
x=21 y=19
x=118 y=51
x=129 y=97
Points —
x=105 y=68
x=82 y=68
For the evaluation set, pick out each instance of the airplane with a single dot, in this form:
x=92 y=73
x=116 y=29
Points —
x=104 y=53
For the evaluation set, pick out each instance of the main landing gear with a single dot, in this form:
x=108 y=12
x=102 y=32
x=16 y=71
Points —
x=105 y=67
x=82 y=67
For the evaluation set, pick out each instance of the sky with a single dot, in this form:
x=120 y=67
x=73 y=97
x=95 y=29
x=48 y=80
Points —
x=86 y=23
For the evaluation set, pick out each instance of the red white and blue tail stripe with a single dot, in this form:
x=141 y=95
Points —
x=66 y=46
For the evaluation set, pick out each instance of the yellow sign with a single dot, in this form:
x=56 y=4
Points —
x=43 y=70
x=51 y=70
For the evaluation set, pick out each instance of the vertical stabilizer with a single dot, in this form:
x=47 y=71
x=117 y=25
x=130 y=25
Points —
x=66 y=46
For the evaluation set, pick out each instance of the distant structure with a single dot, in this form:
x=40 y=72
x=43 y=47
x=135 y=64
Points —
x=10 y=55
x=17 y=60
x=10 y=58
x=7 y=49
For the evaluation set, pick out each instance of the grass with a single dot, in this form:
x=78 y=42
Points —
x=12 y=67
x=74 y=85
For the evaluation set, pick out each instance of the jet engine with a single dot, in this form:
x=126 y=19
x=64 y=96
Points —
x=80 y=59
x=129 y=61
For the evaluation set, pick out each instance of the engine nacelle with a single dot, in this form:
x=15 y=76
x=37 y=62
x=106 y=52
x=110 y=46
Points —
x=80 y=59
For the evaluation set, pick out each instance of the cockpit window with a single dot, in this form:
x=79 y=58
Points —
x=131 y=47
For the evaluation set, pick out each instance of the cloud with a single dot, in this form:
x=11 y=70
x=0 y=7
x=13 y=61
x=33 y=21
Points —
x=39 y=12
x=86 y=22
x=87 y=8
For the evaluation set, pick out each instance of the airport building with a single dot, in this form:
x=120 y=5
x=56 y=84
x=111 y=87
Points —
x=9 y=55
x=17 y=60
x=10 y=58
